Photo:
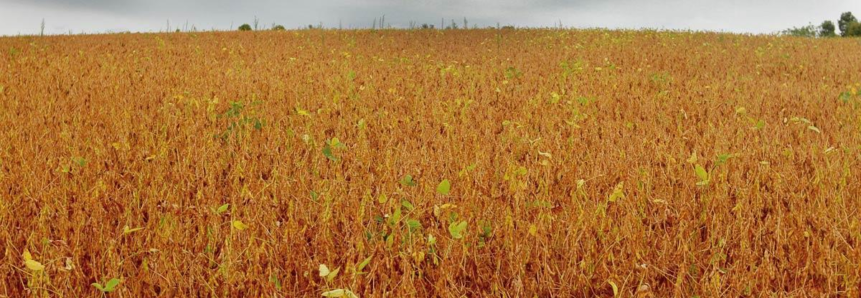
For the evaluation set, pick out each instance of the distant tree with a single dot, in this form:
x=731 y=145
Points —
x=245 y=27
x=853 y=29
x=827 y=29
x=843 y=23
x=804 y=31
x=278 y=28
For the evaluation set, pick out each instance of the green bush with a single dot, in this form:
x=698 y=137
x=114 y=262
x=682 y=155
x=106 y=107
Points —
x=245 y=27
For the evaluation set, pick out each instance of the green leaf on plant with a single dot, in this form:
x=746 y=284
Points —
x=845 y=96
x=723 y=158
x=456 y=229
x=444 y=187
x=328 y=274
x=331 y=276
x=335 y=143
x=408 y=205
x=408 y=181
x=618 y=192
x=79 y=160
x=302 y=112
x=327 y=151
x=759 y=125
x=239 y=225
x=396 y=216
x=324 y=270
x=414 y=224
x=127 y=230
x=340 y=293
x=615 y=288
x=221 y=209
x=110 y=286
x=364 y=264
x=702 y=175
x=277 y=282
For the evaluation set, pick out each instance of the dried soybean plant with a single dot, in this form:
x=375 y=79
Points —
x=504 y=163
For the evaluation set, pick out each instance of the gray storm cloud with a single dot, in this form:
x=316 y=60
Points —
x=764 y=16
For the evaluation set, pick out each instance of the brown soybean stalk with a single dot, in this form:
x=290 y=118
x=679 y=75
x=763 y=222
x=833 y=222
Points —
x=578 y=163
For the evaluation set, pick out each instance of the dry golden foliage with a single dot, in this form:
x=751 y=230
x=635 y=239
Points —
x=469 y=163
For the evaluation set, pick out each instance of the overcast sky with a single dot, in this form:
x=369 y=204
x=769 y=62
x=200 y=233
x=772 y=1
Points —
x=753 y=16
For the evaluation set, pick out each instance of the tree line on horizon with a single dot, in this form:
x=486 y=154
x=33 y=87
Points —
x=382 y=25
x=847 y=24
